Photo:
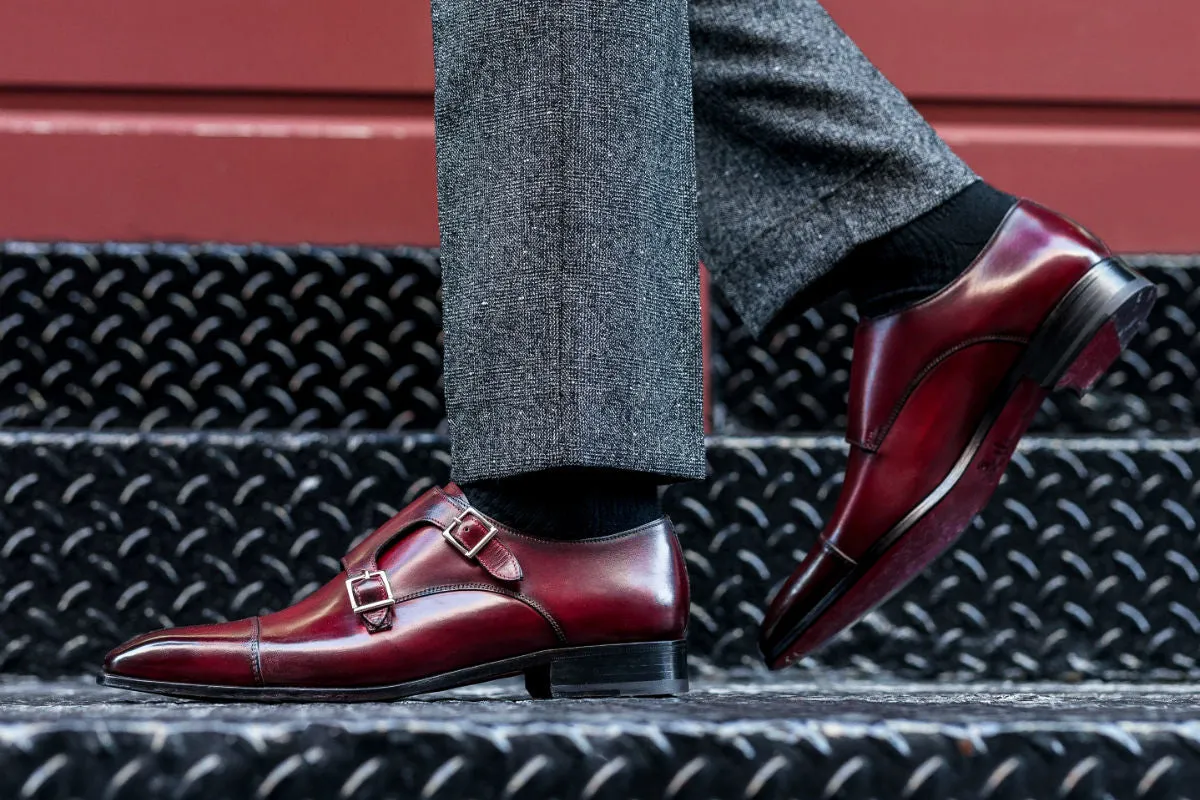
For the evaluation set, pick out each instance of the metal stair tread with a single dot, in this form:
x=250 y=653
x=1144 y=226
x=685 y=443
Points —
x=1084 y=566
x=711 y=704
x=216 y=335
x=754 y=740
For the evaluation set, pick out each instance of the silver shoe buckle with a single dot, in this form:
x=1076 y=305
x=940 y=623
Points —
x=469 y=552
x=367 y=575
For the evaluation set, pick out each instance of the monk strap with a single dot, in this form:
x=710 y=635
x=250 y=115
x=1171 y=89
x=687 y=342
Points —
x=364 y=577
x=459 y=522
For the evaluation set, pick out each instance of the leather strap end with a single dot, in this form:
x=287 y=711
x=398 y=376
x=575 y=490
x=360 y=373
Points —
x=499 y=562
x=376 y=621
x=496 y=559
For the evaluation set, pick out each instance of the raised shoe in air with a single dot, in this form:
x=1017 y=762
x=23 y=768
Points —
x=940 y=394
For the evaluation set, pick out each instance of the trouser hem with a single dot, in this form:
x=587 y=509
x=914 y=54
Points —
x=469 y=464
x=790 y=255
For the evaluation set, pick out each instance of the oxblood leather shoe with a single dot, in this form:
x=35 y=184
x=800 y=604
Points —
x=441 y=596
x=940 y=393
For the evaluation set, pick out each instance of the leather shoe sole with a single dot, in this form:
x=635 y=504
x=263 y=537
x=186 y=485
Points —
x=644 y=669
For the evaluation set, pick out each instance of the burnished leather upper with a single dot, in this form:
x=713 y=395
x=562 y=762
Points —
x=921 y=380
x=1034 y=257
x=922 y=377
x=515 y=595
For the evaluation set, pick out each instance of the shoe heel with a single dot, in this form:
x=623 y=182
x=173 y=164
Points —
x=612 y=670
x=1092 y=324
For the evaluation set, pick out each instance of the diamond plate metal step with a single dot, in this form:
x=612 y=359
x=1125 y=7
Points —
x=163 y=336
x=210 y=336
x=1085 y=565
x=753 y=741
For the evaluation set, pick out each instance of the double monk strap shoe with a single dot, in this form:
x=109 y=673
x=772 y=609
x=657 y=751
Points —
x=940 y=394
x=442 y=596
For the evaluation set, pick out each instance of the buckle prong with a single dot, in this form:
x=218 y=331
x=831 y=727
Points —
x=469 y=552
x=367 y=575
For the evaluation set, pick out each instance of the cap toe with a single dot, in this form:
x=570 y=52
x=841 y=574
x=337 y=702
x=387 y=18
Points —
x=801 y=594
x=222 y=654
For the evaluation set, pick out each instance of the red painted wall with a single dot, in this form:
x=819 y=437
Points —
x=372 y=46
x=289 y=120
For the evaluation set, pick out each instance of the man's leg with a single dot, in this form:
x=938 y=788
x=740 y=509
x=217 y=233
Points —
x=805 y=152
x=816 y=175
x=573 y=387
x=566 y=188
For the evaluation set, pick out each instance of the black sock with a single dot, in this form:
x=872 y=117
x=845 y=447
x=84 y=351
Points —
x=574 y=503
x=927 y=254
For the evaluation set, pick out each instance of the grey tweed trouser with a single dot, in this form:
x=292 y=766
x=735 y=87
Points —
x=572 y=172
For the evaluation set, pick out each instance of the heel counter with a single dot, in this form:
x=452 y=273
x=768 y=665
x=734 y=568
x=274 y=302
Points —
x=1064 y=227
x=681 y=586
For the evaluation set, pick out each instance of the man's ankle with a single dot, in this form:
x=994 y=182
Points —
x=569 y=503
x=926 y=255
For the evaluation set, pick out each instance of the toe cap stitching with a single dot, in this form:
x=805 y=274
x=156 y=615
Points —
x=255 y=659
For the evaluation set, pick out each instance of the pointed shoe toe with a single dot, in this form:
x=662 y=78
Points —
x=224 y=653
x=799 y=598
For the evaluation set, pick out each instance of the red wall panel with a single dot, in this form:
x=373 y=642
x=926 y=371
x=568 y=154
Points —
x=1045 y=50
x=1064 y=50
x=380 y=46
x=187 y=176
x=335 y=172
x=1129 y=177
x=290 y=120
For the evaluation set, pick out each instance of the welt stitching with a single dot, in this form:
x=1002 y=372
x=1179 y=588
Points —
x=873 y=441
